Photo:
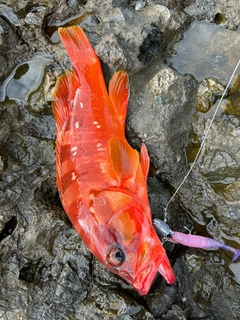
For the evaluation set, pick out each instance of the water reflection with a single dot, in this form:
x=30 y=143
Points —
x=207 y=50
x=24 y=79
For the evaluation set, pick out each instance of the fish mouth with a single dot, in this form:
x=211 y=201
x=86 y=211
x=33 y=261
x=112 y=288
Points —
x=165 y=269
x=145 y=277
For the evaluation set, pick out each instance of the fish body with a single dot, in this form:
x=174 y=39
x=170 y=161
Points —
x=101 y=179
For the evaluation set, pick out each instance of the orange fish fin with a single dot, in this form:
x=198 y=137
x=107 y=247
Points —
x=125 y=160
x=79 y=49
x=145 y=160
x=63 y=96
x=119 y=94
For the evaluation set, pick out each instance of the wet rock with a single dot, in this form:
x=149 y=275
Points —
x=9 y=57
x=175 y=313
x=216 y=11
x=207 y=287
x=150 y=45
x=46 y=270
x=112 y=53
x=9 y=15
x=208 y=91
x=110 y=305
x=161 y=299
x=167 y=100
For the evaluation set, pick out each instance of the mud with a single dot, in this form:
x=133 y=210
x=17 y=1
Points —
x=46 y=270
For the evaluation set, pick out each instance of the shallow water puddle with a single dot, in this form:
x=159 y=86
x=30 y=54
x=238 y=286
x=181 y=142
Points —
x=207 y=50
x=50 y=27
x=24 y=79
x=234 y=267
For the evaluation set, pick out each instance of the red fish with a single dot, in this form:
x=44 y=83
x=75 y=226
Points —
x=101 y=179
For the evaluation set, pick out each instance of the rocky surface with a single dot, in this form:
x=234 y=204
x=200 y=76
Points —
x=46 y=270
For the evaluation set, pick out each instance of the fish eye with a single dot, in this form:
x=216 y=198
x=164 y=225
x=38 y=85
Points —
x=115 y=256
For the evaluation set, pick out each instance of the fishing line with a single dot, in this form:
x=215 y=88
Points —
x=203 y=141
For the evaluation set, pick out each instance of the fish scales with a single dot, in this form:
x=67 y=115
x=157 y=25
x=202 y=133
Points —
x=100 y=177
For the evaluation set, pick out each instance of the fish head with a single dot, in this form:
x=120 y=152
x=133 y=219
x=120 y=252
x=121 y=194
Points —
x=124 y=240
x=137 y=253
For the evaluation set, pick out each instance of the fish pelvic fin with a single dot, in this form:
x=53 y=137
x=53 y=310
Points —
x=119 y=94
x=125 y=160
x=63 y=97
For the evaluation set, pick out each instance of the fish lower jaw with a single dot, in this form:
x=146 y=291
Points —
x=144 y=279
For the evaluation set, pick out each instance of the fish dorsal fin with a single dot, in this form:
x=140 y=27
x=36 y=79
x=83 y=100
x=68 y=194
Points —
x=145 y=161
x=119 y=93
x=63 y=97
x=125 y=160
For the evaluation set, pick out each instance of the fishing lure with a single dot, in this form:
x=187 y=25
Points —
x=101 y=179
x=191 y=240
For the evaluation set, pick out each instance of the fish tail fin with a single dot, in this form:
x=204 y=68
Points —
x=119 y=94
x=236 y=255
x=63 y=96
x=79 y=49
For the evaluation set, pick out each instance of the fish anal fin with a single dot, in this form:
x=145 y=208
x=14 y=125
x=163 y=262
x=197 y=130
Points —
x=125 y=160
x=119 y=94
x=145 y=160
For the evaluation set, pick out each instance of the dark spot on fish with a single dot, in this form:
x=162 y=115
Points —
x=8 y=228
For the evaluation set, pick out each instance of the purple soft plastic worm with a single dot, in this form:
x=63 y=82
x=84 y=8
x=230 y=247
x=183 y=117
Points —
x=191 y=240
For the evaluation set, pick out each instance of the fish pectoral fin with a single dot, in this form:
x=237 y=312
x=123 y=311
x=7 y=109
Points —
x=145 y=161
x=125 y=160
x=63 y=96
x=119 y=93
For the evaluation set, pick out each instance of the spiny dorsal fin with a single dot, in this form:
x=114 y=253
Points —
x=125 y=160
x=119 y=93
